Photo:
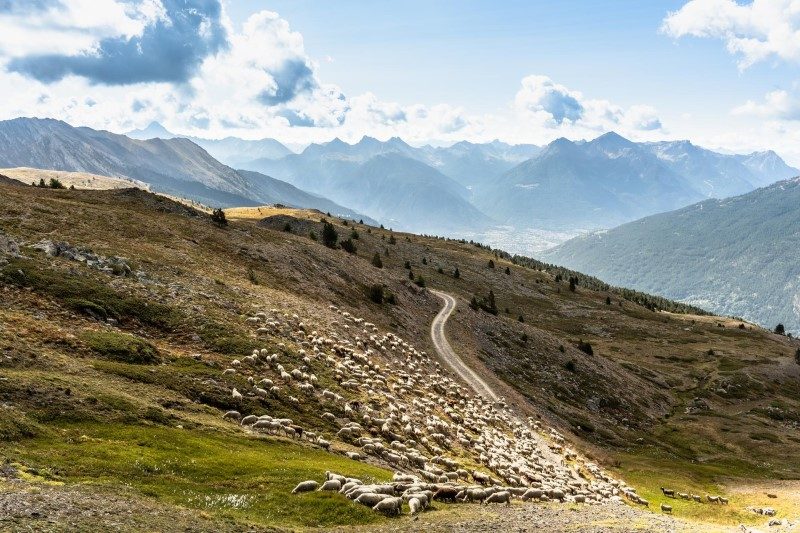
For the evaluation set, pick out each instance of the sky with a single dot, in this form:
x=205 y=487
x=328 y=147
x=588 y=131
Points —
x=720 y=73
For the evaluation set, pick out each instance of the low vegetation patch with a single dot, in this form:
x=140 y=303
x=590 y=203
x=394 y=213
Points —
x=121 y=347
x=229 y=476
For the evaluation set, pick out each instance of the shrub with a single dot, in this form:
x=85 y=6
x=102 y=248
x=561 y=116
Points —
x=424 y=260
x=419 y=281
x=440 y=270
x=508 y=271
x=354 y=234
x=376 y=260
x=390 y=298
x=608 y=300
x=251 y=275
x=491 y=263
x=312 y=235
x=407 y=265
x=348 y=246
x=287 y=228
x=521 y=318
x=456 y=273
x=780 y=330
x=329 y=235
x=585 y=347
x=487 y=304
x=411 y=275
x=121 y=347
x=392 y=240
x=573 y=282
x=376 y=293
x=55 y=183
x=218 y=217
x=571 y=365
x=561 y=348
x=797 y=356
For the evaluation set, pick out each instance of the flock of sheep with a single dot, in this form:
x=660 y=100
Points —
x=390 y=404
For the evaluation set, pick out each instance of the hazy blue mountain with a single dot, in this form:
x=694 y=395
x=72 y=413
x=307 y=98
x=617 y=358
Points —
x=722 y=175
x=767 y=167
x=280 y=192
x=596 y=184
x=473 y=164
x=712 y=174
x=174 y=166
x=232 y=151
x=737 y=256
x=388 y=181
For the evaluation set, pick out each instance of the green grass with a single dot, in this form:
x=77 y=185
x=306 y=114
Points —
x=84 y=294
x=648 y=475
x=121 y=347
x=230 y=476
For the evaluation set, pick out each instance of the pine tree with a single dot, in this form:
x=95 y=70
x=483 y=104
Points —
x=329 y=235
x=456 y=273
x=508 y=271
x=780 y=330
x=376 y=260
x=219 y=218
x=491 y=263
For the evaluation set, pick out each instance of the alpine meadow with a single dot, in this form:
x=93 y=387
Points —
x=283 y=265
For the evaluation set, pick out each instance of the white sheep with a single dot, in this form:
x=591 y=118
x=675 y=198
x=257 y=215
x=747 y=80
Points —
x=306 y=486
x=389 y=506
x=331 y=485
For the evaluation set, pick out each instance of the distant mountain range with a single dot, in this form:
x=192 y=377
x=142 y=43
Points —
x=174 y=166
x=737 y=256
x=467 y=188
x=232 y=151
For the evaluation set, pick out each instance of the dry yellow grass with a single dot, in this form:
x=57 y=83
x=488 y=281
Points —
x=80 y=180
x=263 y=211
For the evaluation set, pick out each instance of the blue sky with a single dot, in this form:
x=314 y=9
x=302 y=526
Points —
x=715 y=72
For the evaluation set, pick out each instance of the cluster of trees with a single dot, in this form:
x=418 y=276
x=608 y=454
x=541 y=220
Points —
x=55 y=183
x=487 y=304
x=654 y=303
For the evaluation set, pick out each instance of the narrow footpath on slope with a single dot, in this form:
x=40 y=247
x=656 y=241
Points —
x=449 y=356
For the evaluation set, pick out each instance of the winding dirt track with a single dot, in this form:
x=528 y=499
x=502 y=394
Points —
x=449 y=356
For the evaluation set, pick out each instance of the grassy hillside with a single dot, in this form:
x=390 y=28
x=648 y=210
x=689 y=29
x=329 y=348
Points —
x=101 y=392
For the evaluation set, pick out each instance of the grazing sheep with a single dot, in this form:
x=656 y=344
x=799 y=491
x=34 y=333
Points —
x=697 y=498
x=503 y=496
x=723 y=501
x=666 y=508
x=389 y=506
x=713 y=499
x=236 y=394
x=332 y=485
x=532 y=494
x=235 y=415
x=414 y=506
x=249 y=420
x=306 y=486
x=668 y=492
x=371 y=499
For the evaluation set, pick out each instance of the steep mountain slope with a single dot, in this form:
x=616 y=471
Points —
x=581 y=185
x=280 y=192
x=736 y=256
x=135 y=401
x=174 y=166
x=714 y=175
x=384 y=180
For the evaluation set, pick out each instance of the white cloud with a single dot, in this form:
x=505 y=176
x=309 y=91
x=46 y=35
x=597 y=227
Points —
x=753 y=32
x=550 y=105
x=779 y=104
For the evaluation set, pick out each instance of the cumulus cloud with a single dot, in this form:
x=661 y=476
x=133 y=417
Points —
x=178 y=36
x=779 y=105
x=540 y=95
x=753 y=32
x=551 y=105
